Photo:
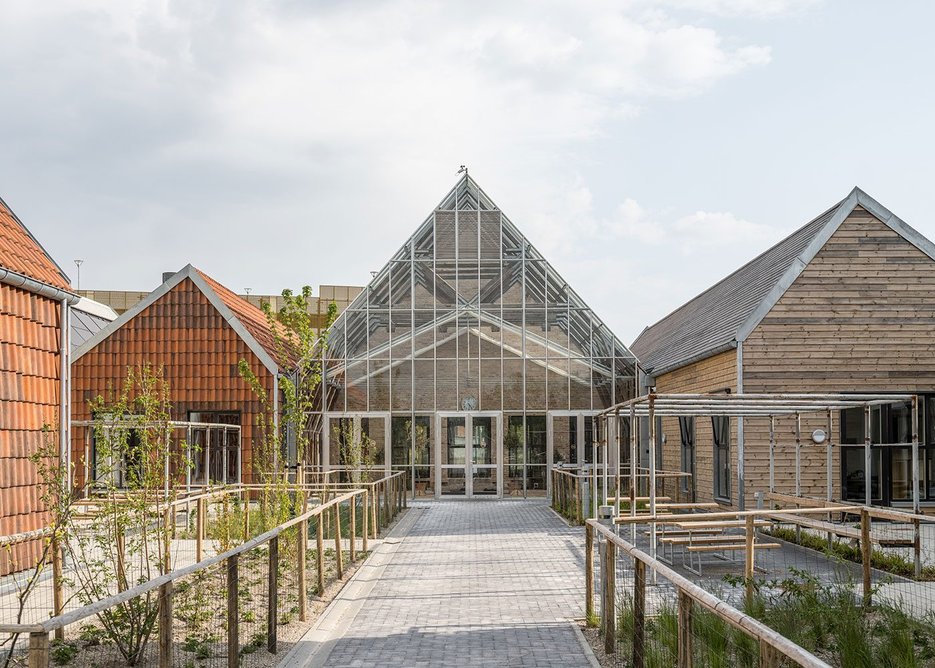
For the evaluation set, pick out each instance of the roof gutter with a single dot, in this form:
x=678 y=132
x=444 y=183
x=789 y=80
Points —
x=710 y=352
x=32 y=285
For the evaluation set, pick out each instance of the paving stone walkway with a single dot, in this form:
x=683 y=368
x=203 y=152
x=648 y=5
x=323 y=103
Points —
x=479 y=583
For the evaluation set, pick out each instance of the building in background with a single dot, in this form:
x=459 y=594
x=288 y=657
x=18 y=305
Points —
x=340 y=295
x=844 y=304
x=469 y=361
x=35 y=295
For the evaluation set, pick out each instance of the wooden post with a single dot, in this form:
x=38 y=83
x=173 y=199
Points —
x=352 y=528
x=865 y=552
x=272 y=613
x=303 y=593
x=610 y=597
x=588 y=572
x=165 y=626
x=749 y=560
x=579 y=511
x=338 y=554
x=685 y=630
x=320 y=556
x=233 y=613
x=121 y=559
x=200 y=528
x=364 y=529
x=38 y=649
x=639 y=613
x=246 y=515
x=386 y=503
x=58 y=587
x=769 y=657
x=917 y=548
x=375 y=501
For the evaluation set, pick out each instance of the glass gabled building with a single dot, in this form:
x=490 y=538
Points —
x=469 y=361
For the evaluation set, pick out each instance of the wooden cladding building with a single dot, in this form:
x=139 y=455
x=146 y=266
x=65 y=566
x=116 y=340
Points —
x=844 y=304
x=197 y=331
x=35 y=296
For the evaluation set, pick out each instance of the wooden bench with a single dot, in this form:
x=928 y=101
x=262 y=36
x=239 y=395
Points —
x=735 y=546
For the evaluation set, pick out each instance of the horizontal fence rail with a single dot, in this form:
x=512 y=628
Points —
x=678 y=623
x=209 y=609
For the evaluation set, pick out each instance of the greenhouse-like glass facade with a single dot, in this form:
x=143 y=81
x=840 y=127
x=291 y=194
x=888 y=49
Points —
x=469 y=361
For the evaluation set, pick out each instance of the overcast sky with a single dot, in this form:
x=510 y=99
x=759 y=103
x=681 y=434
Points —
x=647 y=148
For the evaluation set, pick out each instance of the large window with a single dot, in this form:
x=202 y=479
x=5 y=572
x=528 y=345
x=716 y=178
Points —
x=720 y=426
x=890 y=453
x=216 y=448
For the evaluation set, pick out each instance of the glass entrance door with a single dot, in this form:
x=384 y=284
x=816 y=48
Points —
x=468 y=454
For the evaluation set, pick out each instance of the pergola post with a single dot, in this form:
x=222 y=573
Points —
x=772 y=454
x=617 y=431
x=652 y=474
x=798 y=454
x=633 y=478
x=867 y=463
x=915 y=454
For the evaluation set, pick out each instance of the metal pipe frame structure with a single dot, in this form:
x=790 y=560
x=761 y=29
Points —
x=762 y=405
x=172 y=426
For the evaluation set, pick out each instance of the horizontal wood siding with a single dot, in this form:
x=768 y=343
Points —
x=30 y=392
x=199 y=353
x=708 y=375
x=860 y=317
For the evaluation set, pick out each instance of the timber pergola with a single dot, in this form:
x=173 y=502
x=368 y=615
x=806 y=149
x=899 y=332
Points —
x=741 y=406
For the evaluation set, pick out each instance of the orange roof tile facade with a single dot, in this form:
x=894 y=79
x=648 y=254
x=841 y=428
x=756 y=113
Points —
x=20 y=252
x=30 y=389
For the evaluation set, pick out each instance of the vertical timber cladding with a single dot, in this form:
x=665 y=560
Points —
x=29 y=399
x=713 y=374
x=860 y=317
x=199 y=352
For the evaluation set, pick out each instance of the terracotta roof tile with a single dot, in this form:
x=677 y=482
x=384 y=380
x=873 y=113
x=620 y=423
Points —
x=20 y=252
x=253 y=320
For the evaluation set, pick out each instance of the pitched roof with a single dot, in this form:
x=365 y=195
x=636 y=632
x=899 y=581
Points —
x=22 y=253
x=244 y=318
x=727 y=312
x=86 y=319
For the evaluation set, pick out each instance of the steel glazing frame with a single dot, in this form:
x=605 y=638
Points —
x=483 y=313
x=653 y=405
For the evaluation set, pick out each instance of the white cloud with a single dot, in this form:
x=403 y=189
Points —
x=761 y=8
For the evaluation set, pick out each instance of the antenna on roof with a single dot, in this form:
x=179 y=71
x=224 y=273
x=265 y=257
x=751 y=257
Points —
x=463 y=169
x=247 y=290
x=78 y=276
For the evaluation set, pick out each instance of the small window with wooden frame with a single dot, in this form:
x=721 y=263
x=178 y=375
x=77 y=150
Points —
x=687 y=437
x=720 y=426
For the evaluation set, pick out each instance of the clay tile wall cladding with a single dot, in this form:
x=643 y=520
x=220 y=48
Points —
x=199 y=353
x=29 y=397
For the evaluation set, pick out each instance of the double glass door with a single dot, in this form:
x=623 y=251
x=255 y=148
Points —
x=468 y=454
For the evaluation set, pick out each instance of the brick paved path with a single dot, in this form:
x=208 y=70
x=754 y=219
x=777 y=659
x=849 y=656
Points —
x=476 y=583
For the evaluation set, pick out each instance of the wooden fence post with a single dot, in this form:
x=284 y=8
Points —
x=58 y=588
x=579 y=511
x=588 y=573
x=639 y=613
x=375 y=501
x=610 y=596
x=302 y=586
x=233 y=613
x=200 y=528
x=865 y=552
x=272 y=613
x=685 y=630
x=338 y=554
x=769 y=657
x=749 y=560
x=38 y=650
x=246 y=515
x=366 y=512
x=320 y=556
x=121 y=559
x=165 y=625
x=352 y=527
x=916 y=548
